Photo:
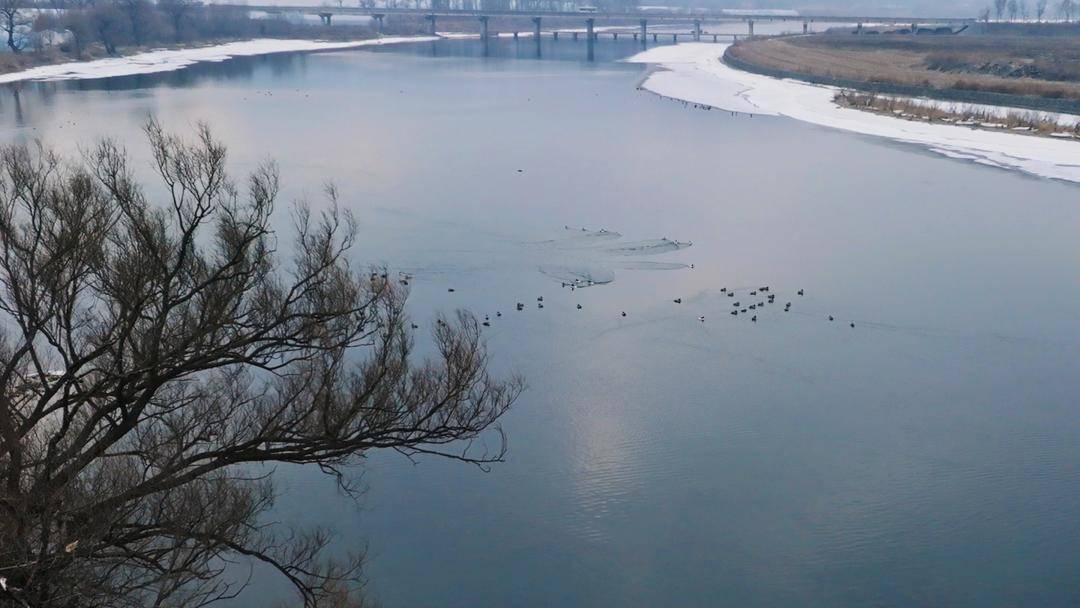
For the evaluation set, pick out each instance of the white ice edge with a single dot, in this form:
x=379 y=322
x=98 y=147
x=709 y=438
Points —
x=167 y=60
x=694 y=72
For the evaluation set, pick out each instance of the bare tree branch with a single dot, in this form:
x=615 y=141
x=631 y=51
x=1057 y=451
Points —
x=155 y=354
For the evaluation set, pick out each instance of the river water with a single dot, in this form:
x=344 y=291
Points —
x=927 y=456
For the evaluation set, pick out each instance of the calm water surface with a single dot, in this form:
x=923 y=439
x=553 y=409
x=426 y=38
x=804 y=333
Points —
x=930 y=456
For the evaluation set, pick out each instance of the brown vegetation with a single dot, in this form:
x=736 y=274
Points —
x=1041 y=67
x=1024 y=122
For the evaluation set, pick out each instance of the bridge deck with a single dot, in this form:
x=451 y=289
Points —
x=607 y=16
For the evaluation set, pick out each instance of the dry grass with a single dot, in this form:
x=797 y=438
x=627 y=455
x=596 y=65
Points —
x=1031 y=123
x=1040 y=67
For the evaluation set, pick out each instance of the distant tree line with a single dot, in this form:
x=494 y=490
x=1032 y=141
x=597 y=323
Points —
x=1019 y=10
x=93 y=27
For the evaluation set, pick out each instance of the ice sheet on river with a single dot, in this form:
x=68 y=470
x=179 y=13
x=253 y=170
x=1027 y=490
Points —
x=167 y=60
x=584 y=257
x=694 y=72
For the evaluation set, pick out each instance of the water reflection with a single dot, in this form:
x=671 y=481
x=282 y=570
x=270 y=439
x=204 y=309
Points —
x=236 y=70
x=244 y=69
x=16 y=105
x=564 y=48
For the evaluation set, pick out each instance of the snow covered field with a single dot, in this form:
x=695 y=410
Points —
x=695 y=73
x=167 y=60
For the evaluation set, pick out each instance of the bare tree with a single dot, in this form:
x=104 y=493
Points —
x=81 y=28
x=999 y=8
x=156 y=356
x=110 y=26
x=143 y=20
x=1014 y=9
x=12 y=21
x=177 y=12
x=1040 y=9
x=1065 y=9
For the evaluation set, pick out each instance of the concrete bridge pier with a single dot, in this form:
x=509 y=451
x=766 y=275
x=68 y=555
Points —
x=536 y=27
x=714 y=37
x=325 y=18
x=914 y=28
x=574 y=35
x=644 y=29
x=858 y=28
x=750 y=24
x=378 y=17
x=555 y=34
x=805 y=27
x=589 y=34
x=431 y=23
x=655 y=37
x=697 y=30
x=483 y=28
x=614 y=35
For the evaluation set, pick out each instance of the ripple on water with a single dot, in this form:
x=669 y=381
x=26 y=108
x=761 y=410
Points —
x=614 y=473
x=647 y=247
x=576 y=238
x=579 y=275
x=645 y=265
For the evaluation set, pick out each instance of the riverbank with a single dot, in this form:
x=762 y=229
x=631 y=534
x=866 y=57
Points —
x=167 y=60
x=695 y=72
x=1040 y=74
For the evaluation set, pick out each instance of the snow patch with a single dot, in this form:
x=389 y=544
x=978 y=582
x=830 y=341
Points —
x=694 y=72
x=167 y=60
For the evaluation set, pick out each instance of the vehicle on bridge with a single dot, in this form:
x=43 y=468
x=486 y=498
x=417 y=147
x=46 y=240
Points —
x=587 y=9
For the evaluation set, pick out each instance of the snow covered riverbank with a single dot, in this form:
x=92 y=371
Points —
x=694 y=72
x=167 y=60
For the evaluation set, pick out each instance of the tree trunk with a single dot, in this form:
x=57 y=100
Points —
x=9 y=25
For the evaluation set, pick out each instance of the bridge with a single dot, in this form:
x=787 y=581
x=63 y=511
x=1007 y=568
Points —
x=697 y=18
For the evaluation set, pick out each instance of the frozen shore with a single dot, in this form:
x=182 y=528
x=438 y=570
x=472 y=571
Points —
x=167 y=60
x=694 y=72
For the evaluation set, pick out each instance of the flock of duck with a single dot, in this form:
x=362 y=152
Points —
x=691 y=104
x=749 y=301
x=763 y=297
